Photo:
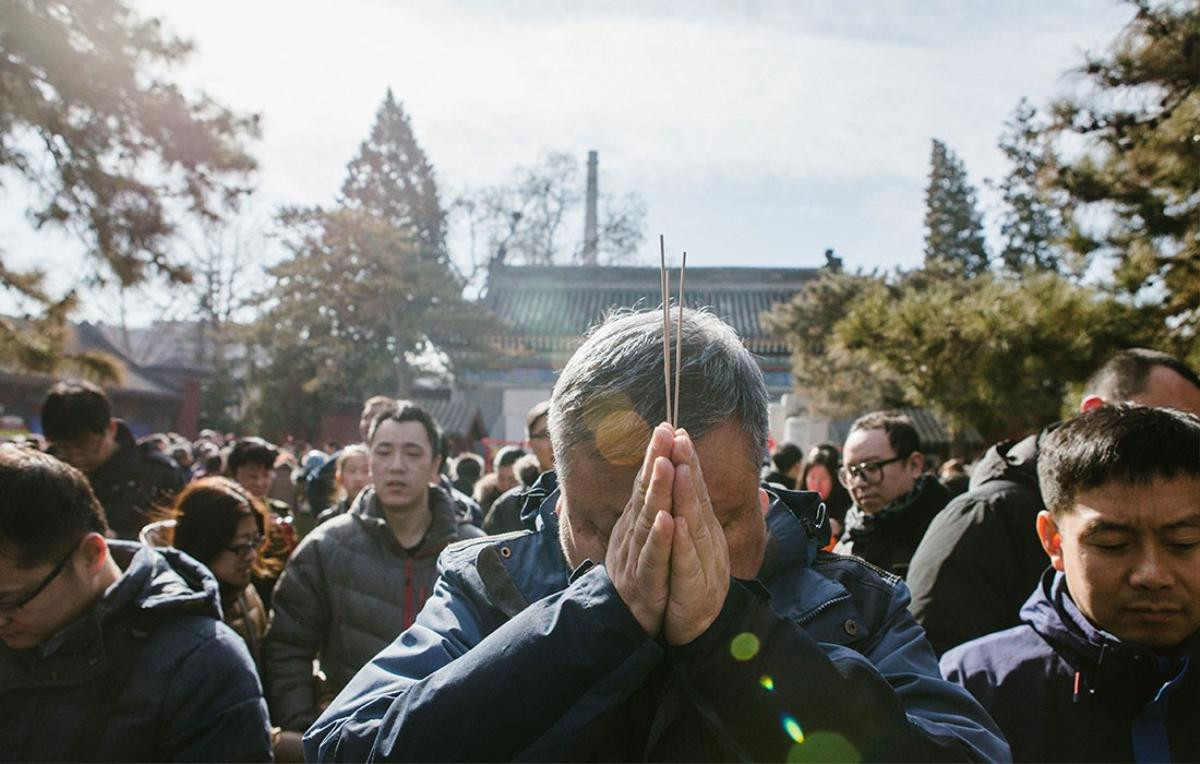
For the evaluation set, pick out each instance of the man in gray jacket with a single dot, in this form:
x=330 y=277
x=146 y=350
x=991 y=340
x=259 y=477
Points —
x=360 y=579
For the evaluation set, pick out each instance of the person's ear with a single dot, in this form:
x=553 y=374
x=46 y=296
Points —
x=916 y=463
x=1051 y=538
x=110 y=433
x=93 y=551
x=764 y=500
x=1090 y=402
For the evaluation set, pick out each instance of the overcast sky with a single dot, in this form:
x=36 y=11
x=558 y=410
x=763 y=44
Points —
x=757 y=133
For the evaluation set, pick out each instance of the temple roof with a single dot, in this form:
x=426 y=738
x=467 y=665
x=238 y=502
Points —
x=548 y=307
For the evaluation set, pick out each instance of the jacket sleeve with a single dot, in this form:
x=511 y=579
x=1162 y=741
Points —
x=412 y=700
x=213 y=709
x=976 y=565
x=301 y=615
x=784 y=695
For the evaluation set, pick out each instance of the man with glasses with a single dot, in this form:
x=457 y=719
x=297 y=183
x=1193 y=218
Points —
x=109 y=650
x=505 y=514
x=894 y=500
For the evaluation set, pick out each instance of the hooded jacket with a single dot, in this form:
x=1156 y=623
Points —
x=132 y=483
x=981 y=556
x=889 y=537
x=148 y=673
x=530 y=660
x=1063 y=690
x=346 y=593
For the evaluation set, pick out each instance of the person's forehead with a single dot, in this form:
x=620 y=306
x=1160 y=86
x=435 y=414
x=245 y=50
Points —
x=1143 y=506
x=728 y=472
x=865 y=445
x=396 y=433
x=1167 y=387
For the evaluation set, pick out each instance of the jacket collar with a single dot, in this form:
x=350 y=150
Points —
x=1121 y=674
x=443 y=525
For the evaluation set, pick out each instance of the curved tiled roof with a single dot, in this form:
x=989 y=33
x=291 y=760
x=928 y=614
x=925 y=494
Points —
x=546 y=306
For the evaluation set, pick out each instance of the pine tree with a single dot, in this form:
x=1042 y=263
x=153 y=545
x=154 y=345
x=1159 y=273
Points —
x=953 y=226
x=1030 y=227
x=392 y=179
x=1141 y=163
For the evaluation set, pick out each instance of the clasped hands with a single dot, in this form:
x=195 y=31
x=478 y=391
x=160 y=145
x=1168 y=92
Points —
x=667 y=555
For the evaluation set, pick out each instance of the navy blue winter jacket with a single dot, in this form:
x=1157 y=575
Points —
x=516 y=657
x=1063 y=690
x=149 y=673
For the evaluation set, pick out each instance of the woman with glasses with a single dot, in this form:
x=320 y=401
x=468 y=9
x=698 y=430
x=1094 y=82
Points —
x=218 y=523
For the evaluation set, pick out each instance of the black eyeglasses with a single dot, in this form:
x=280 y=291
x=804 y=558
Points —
x=246 y=547
x=12 y=607
x=872 y=472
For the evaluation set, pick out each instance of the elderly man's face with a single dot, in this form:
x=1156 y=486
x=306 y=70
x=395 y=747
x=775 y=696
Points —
x=594 y=493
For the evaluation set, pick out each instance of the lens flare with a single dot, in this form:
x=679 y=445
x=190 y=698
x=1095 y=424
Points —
x=766 y=682
x=744 y=646
x=792 y=728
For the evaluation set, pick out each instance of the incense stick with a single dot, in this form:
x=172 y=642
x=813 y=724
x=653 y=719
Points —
x=662 y=277
x=679 y=341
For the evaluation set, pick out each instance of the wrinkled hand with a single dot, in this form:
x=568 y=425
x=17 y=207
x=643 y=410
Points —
x=638 y=559
x=699 y=578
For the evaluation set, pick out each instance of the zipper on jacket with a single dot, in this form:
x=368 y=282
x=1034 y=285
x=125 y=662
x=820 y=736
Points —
x=822 y=607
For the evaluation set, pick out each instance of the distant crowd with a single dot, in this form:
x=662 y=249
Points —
x=618 y=588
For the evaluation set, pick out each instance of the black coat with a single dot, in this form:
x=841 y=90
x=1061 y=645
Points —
x=1026 y=678
x=889 y=537
x=131 y=484
x=981 y=557
x=148 y=673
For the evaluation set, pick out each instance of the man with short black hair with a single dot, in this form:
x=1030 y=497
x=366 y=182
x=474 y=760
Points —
x=895 y=500
x=1104 y=665
x=981 y=557
x=251 y=464
x=110 y=651
x=78 y=423
x=666 y=608
x=358 y=580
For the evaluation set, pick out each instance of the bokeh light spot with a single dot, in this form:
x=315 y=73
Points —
x=744 y=646
x=766 y=682
x=824 y=746
x=792 y=728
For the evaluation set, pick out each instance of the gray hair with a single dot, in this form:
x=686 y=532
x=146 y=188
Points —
x=610 y=395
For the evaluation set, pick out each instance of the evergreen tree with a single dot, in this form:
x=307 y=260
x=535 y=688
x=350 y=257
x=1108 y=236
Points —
x=392 y=179
x=1030 y=227
x=356 y=310
x=953 y=226
x=1141 y=162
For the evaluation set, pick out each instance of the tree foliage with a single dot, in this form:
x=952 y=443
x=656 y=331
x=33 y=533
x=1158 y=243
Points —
x=1134 y=191
x=994 y=353
x=110 y=149
x=1031 y=227
x=953 y=226
x=536 y=218
x=392 y=178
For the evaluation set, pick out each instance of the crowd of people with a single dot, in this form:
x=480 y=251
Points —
x=619 y=588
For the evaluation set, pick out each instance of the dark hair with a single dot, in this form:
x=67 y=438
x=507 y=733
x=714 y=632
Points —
x=468 y=466
x=75 y=408
x=507 y=456
x=900 y=431
x=487 y=490
x=407 y=411
x=251 y=451
x=528 y=469
x=1123 y=443
x=45 y=506
x=786 y=456
x=1125 y=374
x=539 y=411
x=827 y=455
x=207 y=513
